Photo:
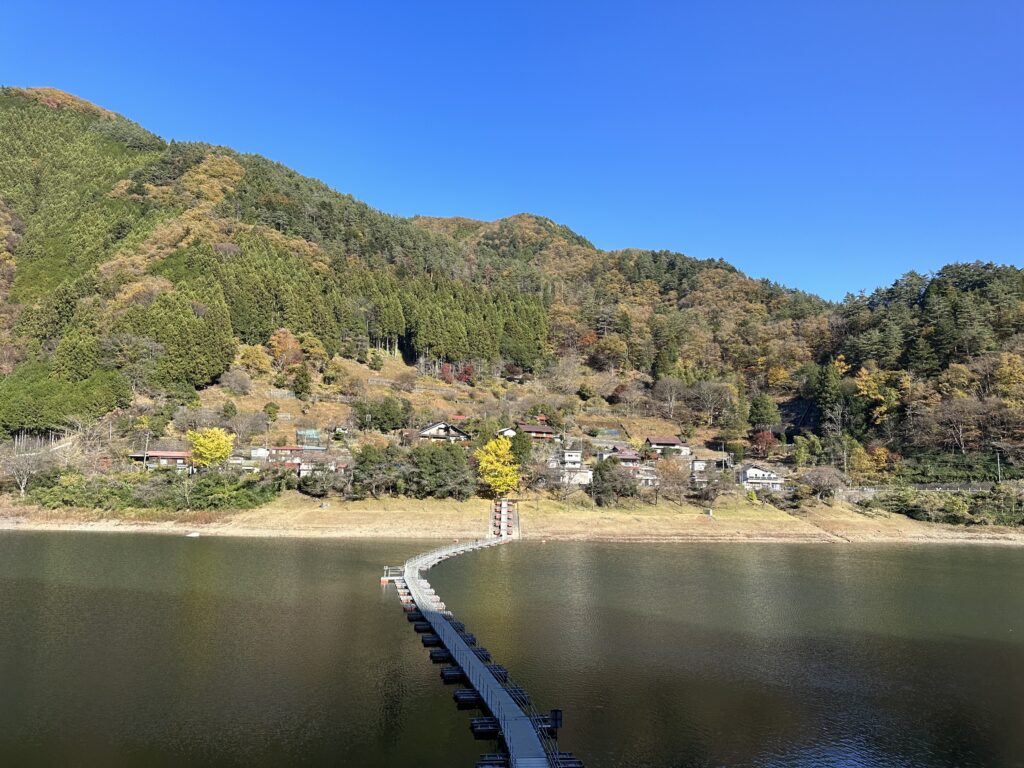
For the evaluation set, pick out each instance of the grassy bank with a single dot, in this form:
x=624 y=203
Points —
x=735 y=519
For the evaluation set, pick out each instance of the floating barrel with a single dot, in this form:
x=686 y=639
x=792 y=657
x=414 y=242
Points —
x=414 y=615
x=409 y=606
x=468 y=637
x=484 y=727
x=451 y=675
x=431 y=641
x=458 y=626
x=493 y=760
x=440 y=656
x=466 y=698
x=422 y=626
x=482 y=653
x=499 y=672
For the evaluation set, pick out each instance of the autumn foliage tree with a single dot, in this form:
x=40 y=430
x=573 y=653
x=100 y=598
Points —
x=497 y=467
x=211 y=446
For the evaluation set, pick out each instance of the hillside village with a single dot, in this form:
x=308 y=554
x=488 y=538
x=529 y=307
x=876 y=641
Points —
x=325 y=438
x=185 y=307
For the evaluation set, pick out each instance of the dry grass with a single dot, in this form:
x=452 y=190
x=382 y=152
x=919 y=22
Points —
x=735 y=519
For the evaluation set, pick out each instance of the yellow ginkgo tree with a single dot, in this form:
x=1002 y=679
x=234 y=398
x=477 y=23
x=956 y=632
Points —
x=496 y=466
x=211 y=446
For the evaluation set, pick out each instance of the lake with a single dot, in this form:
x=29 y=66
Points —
x=144 y=650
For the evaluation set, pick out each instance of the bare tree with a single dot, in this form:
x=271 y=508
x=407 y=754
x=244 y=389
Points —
x=631 y=397
x=675 y=474
x=195 y=418
x=565 y=374
x=718 y=482
x=236 y=381
x=958 y=421
x=669 y=391
x=824 y=481
x=25 y=458
x=247 y=424
x=710 y=398
x=832 y=429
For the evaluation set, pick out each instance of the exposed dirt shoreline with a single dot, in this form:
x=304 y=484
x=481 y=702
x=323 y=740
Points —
x=294 y=516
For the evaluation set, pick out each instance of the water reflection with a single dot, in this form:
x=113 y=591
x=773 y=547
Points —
x=761 y=655
x=137 y=650
x=149 y=651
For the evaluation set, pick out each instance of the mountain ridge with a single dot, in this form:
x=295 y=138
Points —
x=131 y=266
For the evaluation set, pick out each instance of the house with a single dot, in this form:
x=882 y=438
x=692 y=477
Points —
x=534 y=431
x=627 y=456
x=245 y=465
x=538 y=431
x=707 y=461
x=667 y=445
x=699 y=472
x=755 y=478
x=442 y=430
x=179 y=461
x=306 y=465
x=279 y=452
x=568 y=467
x=646 y=476
x=259 y=454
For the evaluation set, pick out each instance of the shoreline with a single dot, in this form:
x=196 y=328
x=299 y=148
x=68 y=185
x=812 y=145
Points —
x=207 y=531
x=298 y=517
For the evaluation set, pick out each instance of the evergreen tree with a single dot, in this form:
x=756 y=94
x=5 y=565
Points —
x=829 y=389
x=922 y=360
x=522 y=447
x=764 y=413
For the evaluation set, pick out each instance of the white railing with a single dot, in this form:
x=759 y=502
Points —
x=526 y=747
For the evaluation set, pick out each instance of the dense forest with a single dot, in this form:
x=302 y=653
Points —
x=132 y=267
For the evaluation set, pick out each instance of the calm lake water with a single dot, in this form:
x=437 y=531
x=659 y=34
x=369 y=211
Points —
x=135 y=650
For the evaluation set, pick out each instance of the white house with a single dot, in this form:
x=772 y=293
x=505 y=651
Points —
x=671 y=445
x=755 y=478
x=627 y=456
x=646 y=476
x=568 y=464
x=508 y=432
x=442 y=430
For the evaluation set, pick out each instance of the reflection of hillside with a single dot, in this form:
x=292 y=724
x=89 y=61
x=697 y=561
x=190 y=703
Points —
x=151 y=650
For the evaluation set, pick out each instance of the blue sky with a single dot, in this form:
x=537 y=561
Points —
x=828 y=146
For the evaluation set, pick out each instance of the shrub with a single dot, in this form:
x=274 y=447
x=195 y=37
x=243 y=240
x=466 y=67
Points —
x=236 y=381
x=161 y=490
x=383 y=414
x=611 y=482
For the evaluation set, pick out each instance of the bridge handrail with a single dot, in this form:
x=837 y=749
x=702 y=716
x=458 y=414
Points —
x=525 y=744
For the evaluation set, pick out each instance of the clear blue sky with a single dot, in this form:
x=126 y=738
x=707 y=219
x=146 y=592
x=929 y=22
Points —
x=828 y=146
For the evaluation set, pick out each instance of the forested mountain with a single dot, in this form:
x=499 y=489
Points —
x=129 y=265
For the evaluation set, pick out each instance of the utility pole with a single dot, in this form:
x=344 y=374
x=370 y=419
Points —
x=999 y=468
